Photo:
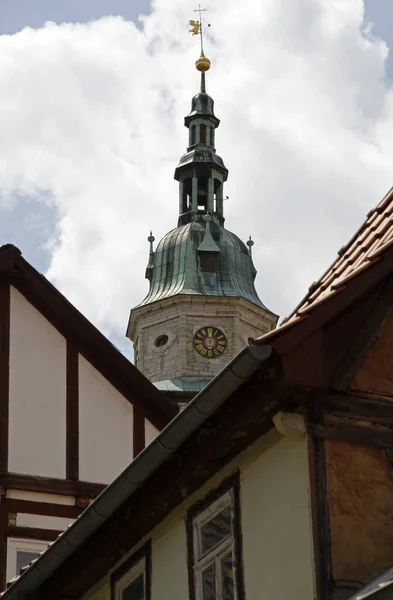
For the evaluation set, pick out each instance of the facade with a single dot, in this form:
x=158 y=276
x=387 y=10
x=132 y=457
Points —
x=73 y=413
x=202 y=306
x=275 y=481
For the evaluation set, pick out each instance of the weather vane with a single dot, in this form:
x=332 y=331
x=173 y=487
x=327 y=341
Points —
x=203 y=63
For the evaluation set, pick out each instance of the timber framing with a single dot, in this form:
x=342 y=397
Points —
x=213 y=446
x=72 y=413
x=3 y=544
x=138 y=431
x=15 y=506
x=308 y=372
x=86 y=339
x=357 y=433
x=82 y=339
x=320 y=511
x=4 y=372
x=32 y=533
x=50 y=485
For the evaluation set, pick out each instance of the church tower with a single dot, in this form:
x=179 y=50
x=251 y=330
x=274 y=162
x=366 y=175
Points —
x=202 y=306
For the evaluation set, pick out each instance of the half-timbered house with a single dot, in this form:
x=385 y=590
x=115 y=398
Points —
x=73 y=412
x=275 y=481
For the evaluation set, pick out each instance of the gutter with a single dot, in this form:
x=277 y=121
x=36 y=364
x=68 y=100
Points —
x=205 y=404
x=379 y=587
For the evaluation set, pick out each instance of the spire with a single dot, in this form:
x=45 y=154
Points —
x=201 y=173
x=150 y=264
x=203 y=83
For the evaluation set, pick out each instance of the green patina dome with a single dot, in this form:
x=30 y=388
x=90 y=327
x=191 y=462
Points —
x=201 y=257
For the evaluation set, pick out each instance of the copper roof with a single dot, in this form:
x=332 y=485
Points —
x=176 y=267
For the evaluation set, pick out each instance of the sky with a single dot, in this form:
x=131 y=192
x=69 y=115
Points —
x=92 y=101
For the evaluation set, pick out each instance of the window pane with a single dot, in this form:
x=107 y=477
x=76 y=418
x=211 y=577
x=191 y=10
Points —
x=24 y=558
x=227 y=577
x=216 y=530
x=208 y=583
x=135 y=590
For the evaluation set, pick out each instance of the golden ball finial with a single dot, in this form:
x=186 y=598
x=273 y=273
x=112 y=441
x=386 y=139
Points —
x=203 y=63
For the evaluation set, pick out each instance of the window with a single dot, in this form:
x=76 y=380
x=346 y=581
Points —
x=215 y=569
x=20 y=553
x=24 y=558
x=132 y=580
x=161 y=341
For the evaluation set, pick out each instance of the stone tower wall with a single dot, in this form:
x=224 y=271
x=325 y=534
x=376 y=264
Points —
x=179 y=318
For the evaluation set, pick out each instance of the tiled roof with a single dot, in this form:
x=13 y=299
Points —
x=364 y=249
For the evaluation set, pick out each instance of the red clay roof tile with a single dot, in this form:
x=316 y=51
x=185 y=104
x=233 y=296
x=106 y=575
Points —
x=364 y=249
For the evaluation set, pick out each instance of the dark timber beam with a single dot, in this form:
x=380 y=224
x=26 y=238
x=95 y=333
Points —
x=366 y=338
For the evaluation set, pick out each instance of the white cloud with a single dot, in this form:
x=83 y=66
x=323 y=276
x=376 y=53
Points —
x=91 y=119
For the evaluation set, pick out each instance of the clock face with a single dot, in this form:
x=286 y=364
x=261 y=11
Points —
x=210 y=342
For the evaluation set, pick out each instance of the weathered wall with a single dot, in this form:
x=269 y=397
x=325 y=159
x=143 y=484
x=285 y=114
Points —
x=105 y=427
x=376 y=373
x=360 y=499
x=37 y=417
x=275 y=524
x=179 y=318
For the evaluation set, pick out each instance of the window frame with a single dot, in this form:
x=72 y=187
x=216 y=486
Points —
x=227 y=493
x=18 y=544
x=139 y=562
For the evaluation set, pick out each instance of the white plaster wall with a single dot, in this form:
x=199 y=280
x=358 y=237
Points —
x=105 y=427
x=41 y=497
x=275 y=527
x=37 y=414
x=169 y=565
x=276 y=524
x=43 y=521
x=150 y=432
